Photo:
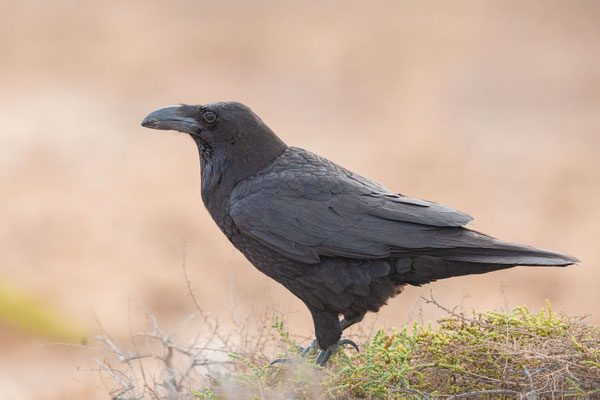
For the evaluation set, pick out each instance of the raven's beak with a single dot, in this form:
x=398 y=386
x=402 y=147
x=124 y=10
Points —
x=169 y=118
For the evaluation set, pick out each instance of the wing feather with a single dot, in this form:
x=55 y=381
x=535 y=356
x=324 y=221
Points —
x=305 y=210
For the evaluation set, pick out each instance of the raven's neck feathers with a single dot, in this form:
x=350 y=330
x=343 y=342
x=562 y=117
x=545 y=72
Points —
x=223 y=167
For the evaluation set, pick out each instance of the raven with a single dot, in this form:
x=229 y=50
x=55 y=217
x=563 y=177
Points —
x=341 y=243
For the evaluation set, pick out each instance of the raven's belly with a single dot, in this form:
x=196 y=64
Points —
x=341 y=285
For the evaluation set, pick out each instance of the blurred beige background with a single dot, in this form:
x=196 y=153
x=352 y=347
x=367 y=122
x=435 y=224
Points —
x=490 y=107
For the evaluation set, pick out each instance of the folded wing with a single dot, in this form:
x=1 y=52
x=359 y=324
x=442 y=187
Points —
x=321 y=209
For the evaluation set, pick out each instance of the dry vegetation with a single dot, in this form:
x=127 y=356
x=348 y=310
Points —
x=520 y=354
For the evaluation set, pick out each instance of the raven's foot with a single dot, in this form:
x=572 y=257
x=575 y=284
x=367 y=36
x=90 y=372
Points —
x=309 y=349
x=304 y=351
x=324 y=355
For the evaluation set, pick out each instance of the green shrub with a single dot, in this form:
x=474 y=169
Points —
x=488 y=354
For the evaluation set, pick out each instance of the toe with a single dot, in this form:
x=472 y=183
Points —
x=280 y=361
x=350 y=342
x=324 y=355
x=309 y=349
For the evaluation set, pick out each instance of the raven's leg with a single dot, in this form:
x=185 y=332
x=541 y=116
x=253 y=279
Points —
x=328 y=331
x=345 y=323
x=327 y=327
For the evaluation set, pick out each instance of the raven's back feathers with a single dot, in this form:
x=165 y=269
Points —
x=306 y=207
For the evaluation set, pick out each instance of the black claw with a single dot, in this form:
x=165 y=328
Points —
x=350 y=342
x=280 y=361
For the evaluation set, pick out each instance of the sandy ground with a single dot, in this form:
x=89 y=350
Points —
x=489 y=107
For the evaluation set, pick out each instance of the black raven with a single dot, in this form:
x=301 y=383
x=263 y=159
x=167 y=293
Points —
x=341 y=243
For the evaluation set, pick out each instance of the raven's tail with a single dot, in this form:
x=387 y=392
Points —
x=481 y=248
x=479 y=255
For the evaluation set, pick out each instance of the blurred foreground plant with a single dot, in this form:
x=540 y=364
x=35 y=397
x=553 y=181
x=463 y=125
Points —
x=484 y=355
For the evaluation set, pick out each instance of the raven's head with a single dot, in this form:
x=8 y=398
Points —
x=226 y=133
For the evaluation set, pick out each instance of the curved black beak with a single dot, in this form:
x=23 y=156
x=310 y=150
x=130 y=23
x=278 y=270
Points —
x=170 y=118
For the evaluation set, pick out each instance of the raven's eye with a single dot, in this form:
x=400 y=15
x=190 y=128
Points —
x=209 y=116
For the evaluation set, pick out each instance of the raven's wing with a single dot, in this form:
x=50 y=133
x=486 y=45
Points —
x=304 y=207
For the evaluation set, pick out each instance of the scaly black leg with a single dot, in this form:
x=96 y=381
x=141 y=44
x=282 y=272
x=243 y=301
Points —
x=324 y=355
